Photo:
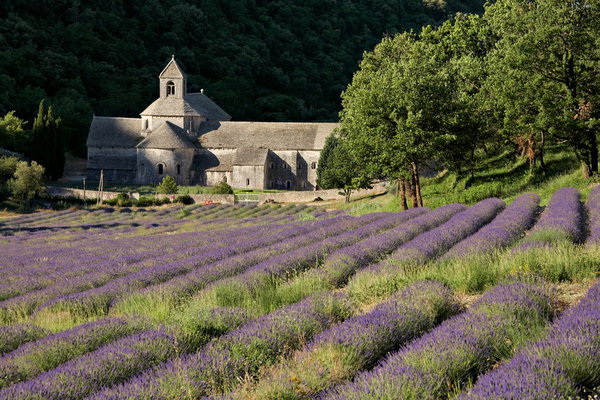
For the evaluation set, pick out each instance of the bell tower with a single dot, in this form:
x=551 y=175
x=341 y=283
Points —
x=172 y=81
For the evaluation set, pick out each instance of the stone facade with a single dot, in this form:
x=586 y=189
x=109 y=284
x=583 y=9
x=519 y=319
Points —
x=189 y=137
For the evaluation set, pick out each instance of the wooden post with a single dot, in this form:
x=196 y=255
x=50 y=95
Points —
x=84 y=202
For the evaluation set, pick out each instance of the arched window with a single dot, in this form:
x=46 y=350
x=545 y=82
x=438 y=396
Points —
x=145 y=124
x=247 y=182
x=313 y=165
x=170 y=88
x=299 y=165
x=271 y=165
x=224 y=178
x=160 y=169
x=178 y=169
x=284 y=165
x=288 y=184
x=304 y=185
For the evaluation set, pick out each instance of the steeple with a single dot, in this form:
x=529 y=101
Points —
x=172 y=80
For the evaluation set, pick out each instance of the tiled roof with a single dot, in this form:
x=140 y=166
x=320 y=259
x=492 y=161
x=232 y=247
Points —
x=166 y=136
x=192 y=104
x=250 y=156
x=266 y=135
x=114 y=132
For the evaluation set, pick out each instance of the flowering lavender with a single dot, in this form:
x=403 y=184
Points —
x=13 y=336
x=440 y=362
x=562 y=218
x=220 y=365
x=562 y=365
x=593 y=207
x=46 y=353
x=108 y=365
x=341 y=264
x=439 y=240
x=341 y=351
x=503 y=230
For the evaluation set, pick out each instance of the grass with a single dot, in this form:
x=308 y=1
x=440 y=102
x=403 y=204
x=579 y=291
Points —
x=502 y=176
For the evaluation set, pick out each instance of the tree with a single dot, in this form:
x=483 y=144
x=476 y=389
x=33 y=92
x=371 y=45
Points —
x=8 y=166
x=222 y=188
x=545 y=74
x=338 y=170
x=12 y=133
x=167 y=186
x=48 y=142
x=28 y=182
x=403 y=108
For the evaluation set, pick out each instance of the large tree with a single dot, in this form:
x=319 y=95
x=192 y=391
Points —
x=48 y=142
x=544 y=73
x=405 y=107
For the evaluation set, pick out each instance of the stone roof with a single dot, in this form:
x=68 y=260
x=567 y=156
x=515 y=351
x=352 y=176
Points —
x=172 y=70
x=114 y=132
x=266 y=135
x=192 y=104
x=206 y=161
x=166 y=136
x=250 y=156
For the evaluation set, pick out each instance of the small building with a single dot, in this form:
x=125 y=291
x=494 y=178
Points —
x=189 y=137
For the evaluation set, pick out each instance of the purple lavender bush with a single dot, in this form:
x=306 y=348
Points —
x=561 y=220
x=442 y=361
x=593 y=207
x=435 y=242
x=13 y=336
x=222 y=364
x=46 y=353
x=507 y=227
x=341 y=351
x=565 y=364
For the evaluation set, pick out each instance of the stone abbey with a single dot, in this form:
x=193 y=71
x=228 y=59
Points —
x=189 y=137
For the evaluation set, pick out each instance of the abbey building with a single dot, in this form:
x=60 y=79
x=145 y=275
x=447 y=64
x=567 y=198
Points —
x=189 y=137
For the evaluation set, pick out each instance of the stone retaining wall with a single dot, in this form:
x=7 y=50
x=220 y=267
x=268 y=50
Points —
x=203 y=198
x=79 y=193
x=309 y=196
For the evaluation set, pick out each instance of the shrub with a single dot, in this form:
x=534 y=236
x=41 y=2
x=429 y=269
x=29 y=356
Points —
x=27 y=183
x=123 y=200
x=167 y=186
x=222 y=188
x=184 y=199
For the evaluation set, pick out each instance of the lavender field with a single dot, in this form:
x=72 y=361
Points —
x=491 y=301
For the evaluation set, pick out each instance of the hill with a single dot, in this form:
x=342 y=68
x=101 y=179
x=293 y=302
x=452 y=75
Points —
x=260 y=60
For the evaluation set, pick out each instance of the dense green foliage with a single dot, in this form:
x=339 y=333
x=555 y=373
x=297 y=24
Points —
x=48 y=146
x=27 y=183
x=167 y=186
x=522 y=76
x=221 y=188
x=259 y=60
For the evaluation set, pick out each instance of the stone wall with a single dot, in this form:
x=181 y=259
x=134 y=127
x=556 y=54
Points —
x=308 y=196
x=79 y=193
x=203 y=198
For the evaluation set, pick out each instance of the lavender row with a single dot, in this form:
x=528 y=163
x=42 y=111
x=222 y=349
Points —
x=97 y=301
x=47 y=353
x=437 y=241
x=18 y=307
x=270 y=272
x=563 y=214
x=13 y=336
x=197 y=279
x=113 y=363
x=338 y=353
x=593 y=207
x=507 y=227
x=442 y=361
x=565 y=364
x=220 y=365
x=341 y=264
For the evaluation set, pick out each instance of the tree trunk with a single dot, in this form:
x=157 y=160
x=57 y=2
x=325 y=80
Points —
x=593 y=152
x=542 y=142
x=415 y=172
x=402 y=192
x=413 y=191
x=347 y=193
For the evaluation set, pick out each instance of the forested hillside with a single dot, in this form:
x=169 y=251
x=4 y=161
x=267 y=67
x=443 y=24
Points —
x=259 y=59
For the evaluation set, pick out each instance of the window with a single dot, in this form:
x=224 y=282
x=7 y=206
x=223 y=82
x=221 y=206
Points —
x=313 y=165
x=304 y=185
x=160 y=169
x=170 y=88
x=271 y=165
x=284 y=165
x=145 y=124
x=178 y=169
x=299 y=165
x=288 y=184
x=247 y=182
x=224 y=178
